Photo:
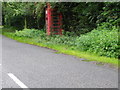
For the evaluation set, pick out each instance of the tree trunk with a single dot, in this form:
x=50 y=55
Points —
x=25 y=26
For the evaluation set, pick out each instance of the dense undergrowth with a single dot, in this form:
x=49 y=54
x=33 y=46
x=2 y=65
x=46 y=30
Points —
x=102 y=41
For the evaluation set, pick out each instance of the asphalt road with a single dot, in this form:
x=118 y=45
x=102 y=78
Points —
x=0 y=62
x=38 y=67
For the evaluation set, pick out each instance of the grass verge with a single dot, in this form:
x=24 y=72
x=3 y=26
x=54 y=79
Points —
x=66 y=50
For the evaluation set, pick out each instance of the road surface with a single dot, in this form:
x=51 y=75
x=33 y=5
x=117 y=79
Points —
x=29 y=66
x=0 y=62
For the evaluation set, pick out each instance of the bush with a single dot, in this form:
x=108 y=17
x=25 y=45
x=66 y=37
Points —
x=102 y=41
x=30 y=33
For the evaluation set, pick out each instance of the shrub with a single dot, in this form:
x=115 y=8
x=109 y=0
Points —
x=30 y=33
x=102 y=41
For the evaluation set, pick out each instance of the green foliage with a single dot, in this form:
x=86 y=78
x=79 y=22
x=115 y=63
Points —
x=110 y=13
x=30 y=33
x=8 y=29
x=83 y=17
x=20 y=14
x=13 y=14
x=79 y=17
x=101 y=41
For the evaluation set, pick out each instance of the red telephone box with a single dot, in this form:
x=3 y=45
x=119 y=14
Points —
x=53 y=21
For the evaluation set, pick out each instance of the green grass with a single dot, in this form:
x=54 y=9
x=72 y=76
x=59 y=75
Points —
x=65 y=49
x=1 y=29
